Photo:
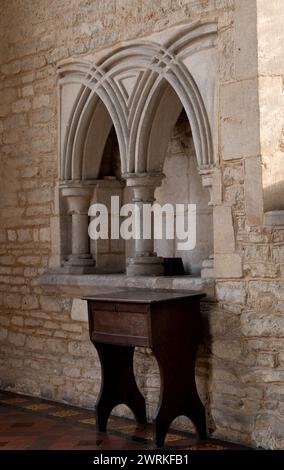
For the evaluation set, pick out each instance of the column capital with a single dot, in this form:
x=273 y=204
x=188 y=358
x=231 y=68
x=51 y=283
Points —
x=78 y=194
x=147 y=179
x=144 y=185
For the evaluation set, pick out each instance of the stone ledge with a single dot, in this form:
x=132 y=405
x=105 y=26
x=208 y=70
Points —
x=274 y=218
x=76 y=286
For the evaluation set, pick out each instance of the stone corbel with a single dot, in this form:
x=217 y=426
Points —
x=211 y=180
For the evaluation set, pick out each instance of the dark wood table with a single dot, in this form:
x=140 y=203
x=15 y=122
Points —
x=169 y=323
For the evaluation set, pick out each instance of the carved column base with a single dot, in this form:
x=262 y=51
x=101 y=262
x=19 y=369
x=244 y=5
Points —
x=80 y=260
x=80 y=264
x=76 y=267
x=145 y=266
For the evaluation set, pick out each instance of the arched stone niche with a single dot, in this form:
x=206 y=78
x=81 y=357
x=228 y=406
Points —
x=182 y=184
x=138 y=89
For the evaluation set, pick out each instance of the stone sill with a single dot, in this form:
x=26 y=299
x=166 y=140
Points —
x=77 y=286
x=274 y=218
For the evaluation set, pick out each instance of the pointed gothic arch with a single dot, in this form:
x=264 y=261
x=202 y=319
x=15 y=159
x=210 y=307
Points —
x=123 y=88
x=139 y=89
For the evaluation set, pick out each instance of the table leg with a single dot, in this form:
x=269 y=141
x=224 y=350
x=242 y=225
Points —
x=118 y=384
x=178 y=395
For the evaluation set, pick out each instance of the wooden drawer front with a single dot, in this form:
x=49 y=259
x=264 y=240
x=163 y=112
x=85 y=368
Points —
x=120 y=327
x=120 y=306
x=128 y=307
x=102 y=305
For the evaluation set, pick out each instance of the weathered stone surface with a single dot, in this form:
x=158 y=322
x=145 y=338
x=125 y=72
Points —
x=233 y=174
x=239 y=119
x=245 y=40
x=17 y=339
x=44 y=234
x=228 y=265
x=54 y=304
x=261 y=324
x=231 y=292
x=20 y=106
x=24 y=235
x=79 y=310
x=41 y=101
x=253 y=191
x=30 y=302
x=269 y=20
x=266 y=296
x=268 y=429
x=224 y=237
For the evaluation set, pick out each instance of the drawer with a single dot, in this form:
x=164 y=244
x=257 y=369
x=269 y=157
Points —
x=126 y=328
x=120 y=306
x=102 y=305
x=131 y=307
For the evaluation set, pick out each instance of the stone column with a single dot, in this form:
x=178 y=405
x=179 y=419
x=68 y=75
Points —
x=145 y=261
x=78 y=196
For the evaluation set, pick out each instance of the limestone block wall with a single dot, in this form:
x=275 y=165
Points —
x=44 y=345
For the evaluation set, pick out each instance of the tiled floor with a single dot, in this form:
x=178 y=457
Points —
x=32 y=424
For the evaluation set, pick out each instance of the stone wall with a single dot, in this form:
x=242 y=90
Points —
x=44 y=347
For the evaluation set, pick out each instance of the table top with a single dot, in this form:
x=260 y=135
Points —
x=145 y=295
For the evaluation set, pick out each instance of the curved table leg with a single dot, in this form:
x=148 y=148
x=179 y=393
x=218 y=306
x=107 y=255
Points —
x=196 y=413
x=178 y=394
x=118 y=384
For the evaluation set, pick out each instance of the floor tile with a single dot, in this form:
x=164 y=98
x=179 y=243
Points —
x=28 y=423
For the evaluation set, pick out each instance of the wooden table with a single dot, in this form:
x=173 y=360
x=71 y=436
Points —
x=169 y=323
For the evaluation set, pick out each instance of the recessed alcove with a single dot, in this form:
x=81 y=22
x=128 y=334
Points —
x=110 y=164
x=109 y=254
x=183 y=185
x=137 y=123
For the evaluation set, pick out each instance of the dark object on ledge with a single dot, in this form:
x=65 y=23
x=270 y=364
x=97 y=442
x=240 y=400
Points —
x=173 y=267
x=169 y=323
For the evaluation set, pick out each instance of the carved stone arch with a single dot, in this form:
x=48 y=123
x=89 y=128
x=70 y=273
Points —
x=148 y=64
x=160 y=116
x=140 y=89
x=135 y=59
x=93 y=125
x=171 y=92
x=167 y=66
x=90 y=142
x=97 y=107
x=160 y=62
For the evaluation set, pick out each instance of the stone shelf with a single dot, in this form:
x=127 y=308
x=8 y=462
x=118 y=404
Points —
x=274 y=218
x=89 y=284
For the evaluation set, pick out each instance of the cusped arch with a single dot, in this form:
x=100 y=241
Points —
x=130 y=88
x=163 y=103
x=94 y=112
